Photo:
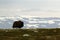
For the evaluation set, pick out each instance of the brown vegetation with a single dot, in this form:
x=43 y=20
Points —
x=30 y=34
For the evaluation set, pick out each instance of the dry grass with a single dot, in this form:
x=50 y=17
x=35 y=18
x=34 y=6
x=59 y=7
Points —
x=29 y=34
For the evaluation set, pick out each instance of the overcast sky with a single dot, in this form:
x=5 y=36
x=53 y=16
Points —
x=43 y=8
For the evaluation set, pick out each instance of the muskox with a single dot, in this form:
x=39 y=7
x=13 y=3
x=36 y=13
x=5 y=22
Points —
x=18 y=24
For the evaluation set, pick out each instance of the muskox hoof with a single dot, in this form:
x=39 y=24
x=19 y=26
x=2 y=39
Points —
x=18 y=24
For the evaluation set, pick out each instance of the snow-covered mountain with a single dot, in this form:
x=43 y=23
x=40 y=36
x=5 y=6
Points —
x=30 y=22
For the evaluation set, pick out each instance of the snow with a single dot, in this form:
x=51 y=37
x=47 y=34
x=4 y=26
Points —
x=29 y=22
x=51 y=22
x=26 y=35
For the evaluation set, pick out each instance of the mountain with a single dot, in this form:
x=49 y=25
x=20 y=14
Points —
x=30 y=22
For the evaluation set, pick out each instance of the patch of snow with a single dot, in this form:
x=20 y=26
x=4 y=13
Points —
x=43 y=22
x=26 y=35
x=43 y=25
x=51 y=22
x=2 y=18
x=31 y=26
x=0 y=22
x=59 y=24
x=38 y=21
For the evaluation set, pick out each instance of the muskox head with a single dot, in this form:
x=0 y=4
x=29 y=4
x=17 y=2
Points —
x=18 y=24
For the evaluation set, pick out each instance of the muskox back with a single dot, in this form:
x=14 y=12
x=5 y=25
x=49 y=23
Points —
x=18 y=24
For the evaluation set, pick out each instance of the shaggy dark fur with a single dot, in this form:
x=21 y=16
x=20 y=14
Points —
x=18 y=24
